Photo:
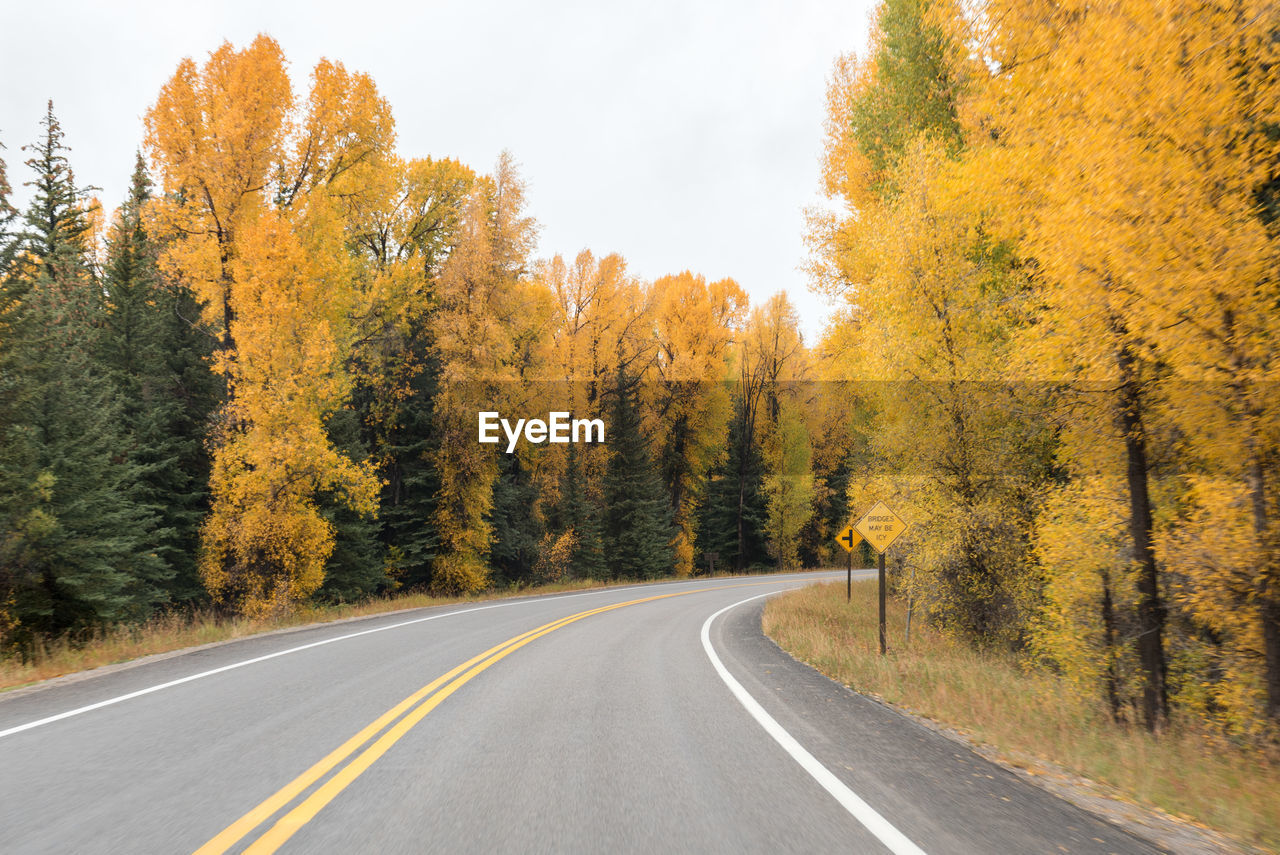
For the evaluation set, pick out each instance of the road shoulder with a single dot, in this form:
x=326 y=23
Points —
x=935 y=788
x=807 y=695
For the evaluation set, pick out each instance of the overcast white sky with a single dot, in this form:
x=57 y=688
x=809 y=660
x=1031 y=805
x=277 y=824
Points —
x=684 y=135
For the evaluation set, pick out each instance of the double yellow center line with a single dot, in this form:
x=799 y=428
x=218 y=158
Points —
x=434 y=693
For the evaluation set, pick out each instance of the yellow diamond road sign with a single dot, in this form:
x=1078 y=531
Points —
x=880 y=527
x=849 y=538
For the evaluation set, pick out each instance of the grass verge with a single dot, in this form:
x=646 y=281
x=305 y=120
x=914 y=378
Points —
x=174 y=631
x=1028 y=716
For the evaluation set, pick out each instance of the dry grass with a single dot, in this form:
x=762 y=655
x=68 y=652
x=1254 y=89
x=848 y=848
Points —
x=165 y=633
x=1025 y=714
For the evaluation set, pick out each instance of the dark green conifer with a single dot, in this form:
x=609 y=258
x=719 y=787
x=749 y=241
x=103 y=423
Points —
x=74 y=535
x=357 y=569
x=517 y=527
x=581 y=515
x=159 y=361
x=638 y=529
x=733 y=516
x=8 y=220
x=404 y=439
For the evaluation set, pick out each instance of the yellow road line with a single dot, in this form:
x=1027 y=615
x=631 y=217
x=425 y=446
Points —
x=300 y=815
x=288 y=825
x=251 y=820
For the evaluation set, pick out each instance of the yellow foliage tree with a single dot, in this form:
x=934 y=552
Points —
x=251 y=182
x=480 y=303
x=936 y=303
x=695 y=322
x=1131 y=146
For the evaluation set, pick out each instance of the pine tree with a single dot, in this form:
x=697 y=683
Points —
x=638 y=529
x=357 y=569
x=735 y=513
x=408 y=445
x=8 y=216
x=159 y=361
x=74 y=533
x=581 y=516
x=56 y=221
x=8 y=394
x=517 y=528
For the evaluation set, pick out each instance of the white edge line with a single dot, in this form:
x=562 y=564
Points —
x=234 y=665
x=895 y=840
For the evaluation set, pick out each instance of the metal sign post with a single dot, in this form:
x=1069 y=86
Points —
x=849 y=539
x=883 y=645
x=881 y=527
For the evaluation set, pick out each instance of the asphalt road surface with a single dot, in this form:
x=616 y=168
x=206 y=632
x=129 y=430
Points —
x=652 y=718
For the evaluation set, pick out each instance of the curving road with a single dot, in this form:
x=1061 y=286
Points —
x=652 y=718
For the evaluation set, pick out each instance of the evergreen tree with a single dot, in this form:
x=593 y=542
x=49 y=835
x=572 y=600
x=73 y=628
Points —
x=638 y=529
x=831 y=514
x=74 y=534
x=159 y=361
x=516 y=526
x=56 y=221
x=407 y=444
x=357 y=569
x=735 y=513
x=8 y=392
x=581 y=516
x=8 y=216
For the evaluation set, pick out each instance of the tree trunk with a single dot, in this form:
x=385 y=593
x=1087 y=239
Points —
x=1151 y=611
x=740 y=564
x=1109 y=636
x=1271 y=651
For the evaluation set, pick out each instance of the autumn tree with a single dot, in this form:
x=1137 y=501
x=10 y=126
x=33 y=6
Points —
x=1147 y=216
x=403 y=231
x=838 y=419
x=774 y=365
x=472 y=333
x=600 y=319
x=934 y=301
x=789 y=486
x=254 y=188
x=695 y=322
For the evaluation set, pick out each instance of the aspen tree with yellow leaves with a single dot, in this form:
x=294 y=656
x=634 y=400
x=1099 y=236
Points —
x=600 y=320
x=775 y=361
x=249 y=181
x=934 y=302
x=1141 y=139
x=695 y=323
x=1081 y=196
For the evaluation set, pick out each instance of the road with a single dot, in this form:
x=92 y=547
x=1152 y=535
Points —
x=651 y=718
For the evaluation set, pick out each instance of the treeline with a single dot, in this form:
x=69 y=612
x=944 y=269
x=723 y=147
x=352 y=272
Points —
x=258 y=382
x=1057 y=247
